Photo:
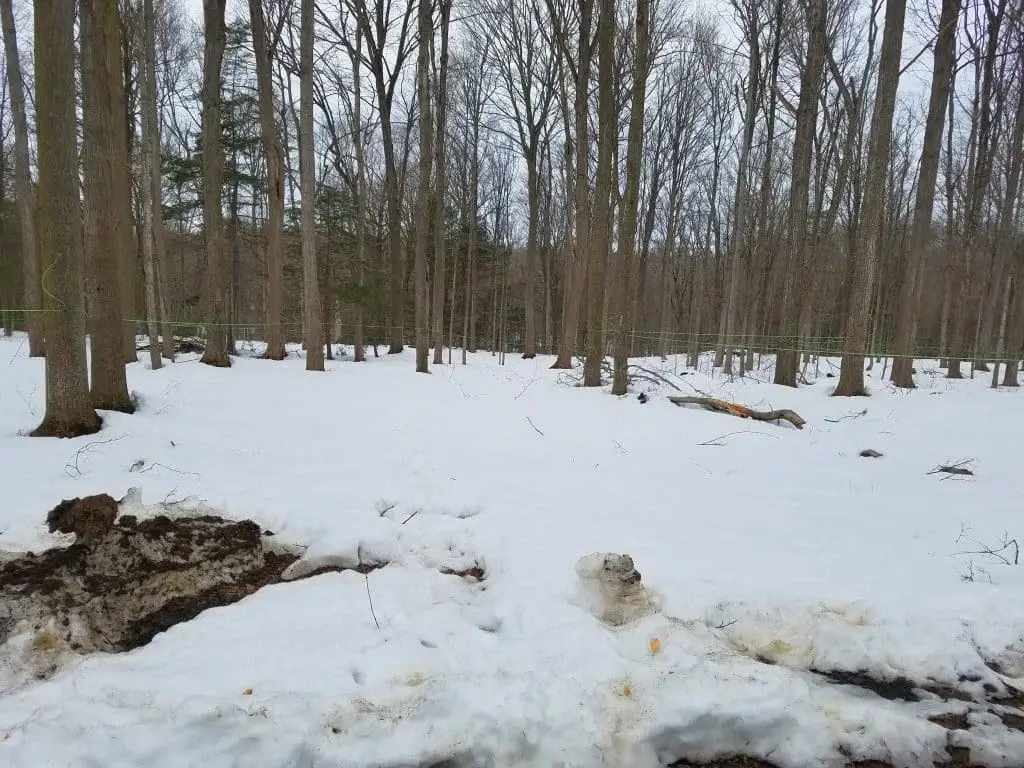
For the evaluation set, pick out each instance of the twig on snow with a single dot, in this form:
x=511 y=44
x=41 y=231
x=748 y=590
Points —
x=1011 y=547
x=71 y=466
x=370 y=598
x=975 y=573
x=714 y=441
x=535 y=428
x=848 y=416
x=157 y=464
x=410 y=517
x=18 y=352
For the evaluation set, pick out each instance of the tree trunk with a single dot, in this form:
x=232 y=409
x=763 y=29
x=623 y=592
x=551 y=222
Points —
x=150 y=152
x=787 y=355
x=581 y=204
x=441 y=86
x=105 y=220
x=607 y=127
x=851 y=375
x=272 y=153
x=34 y=319
x=218 y=267
x=469 y=318
x=359 y=352
x=740 y=207
x=68 y=411
x=631 y=198
x=1005 y=241
x=307 y=180
x=910 y=293
x=426 y=33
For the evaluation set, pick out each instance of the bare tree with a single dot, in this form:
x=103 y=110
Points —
x=913 y=275
x=68 y=411
x=426 y=34
x=631 y=198
x=105 y=220
x=441 y=88
x=150 y=165
x=23 y=184
x=307 y=175
x=273 y=157
x=851 y=376
x=749 y=15
x=386 y=55
x=600 y=230
x=579 y=63
x=218 y=266
x=361 y=191
x=787 y=357
x=527 y=71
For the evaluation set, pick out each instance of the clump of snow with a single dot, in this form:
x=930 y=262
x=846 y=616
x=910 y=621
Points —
x=779 y=558
x=611 y=588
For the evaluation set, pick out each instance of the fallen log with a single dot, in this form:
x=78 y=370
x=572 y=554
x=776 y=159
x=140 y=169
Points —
x=742 y=411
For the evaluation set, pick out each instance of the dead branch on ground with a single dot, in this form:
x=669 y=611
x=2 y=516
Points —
x=958 y=469
x=71 y=466
x=715 y=440
x=742 y=411
x=848 y=416
x=1005 y=551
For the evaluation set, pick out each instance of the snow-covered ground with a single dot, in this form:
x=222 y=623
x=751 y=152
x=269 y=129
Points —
x=769 y=552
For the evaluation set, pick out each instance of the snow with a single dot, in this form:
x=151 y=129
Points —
x=768 y=553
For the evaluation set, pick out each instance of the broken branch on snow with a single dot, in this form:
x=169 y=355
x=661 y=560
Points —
x=958 y=469
x=724 y=406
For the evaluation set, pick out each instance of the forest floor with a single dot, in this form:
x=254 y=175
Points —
x=810 y=607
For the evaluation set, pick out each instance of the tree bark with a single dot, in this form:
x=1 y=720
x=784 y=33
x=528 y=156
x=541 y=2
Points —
x=218 y=267
x=150 y=166
x=307 y=180
x=273 y=155
x=426 y=33
x=581 y=204
x=124 y=130
x=631 y=199
x=359 y=352
x=68 y=410
x=910 y=292
x=105 y=220
x=1004 y=247
x=787 y=354
x=441 y=86
x=740 y=206
x=851 y=375
x=607 y=128
x=23 y=186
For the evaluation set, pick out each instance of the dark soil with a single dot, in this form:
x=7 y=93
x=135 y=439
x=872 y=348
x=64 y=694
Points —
x=896 y=689
x=951 y=721
x=125 y=580
x=734 y=761
x=121 y=583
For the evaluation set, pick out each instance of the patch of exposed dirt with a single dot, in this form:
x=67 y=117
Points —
x=959 y=757
x=896 y=689
x=120 y=583
x=1012 y=720
x=732 y=761
x=125 y=580
x=952 y=721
